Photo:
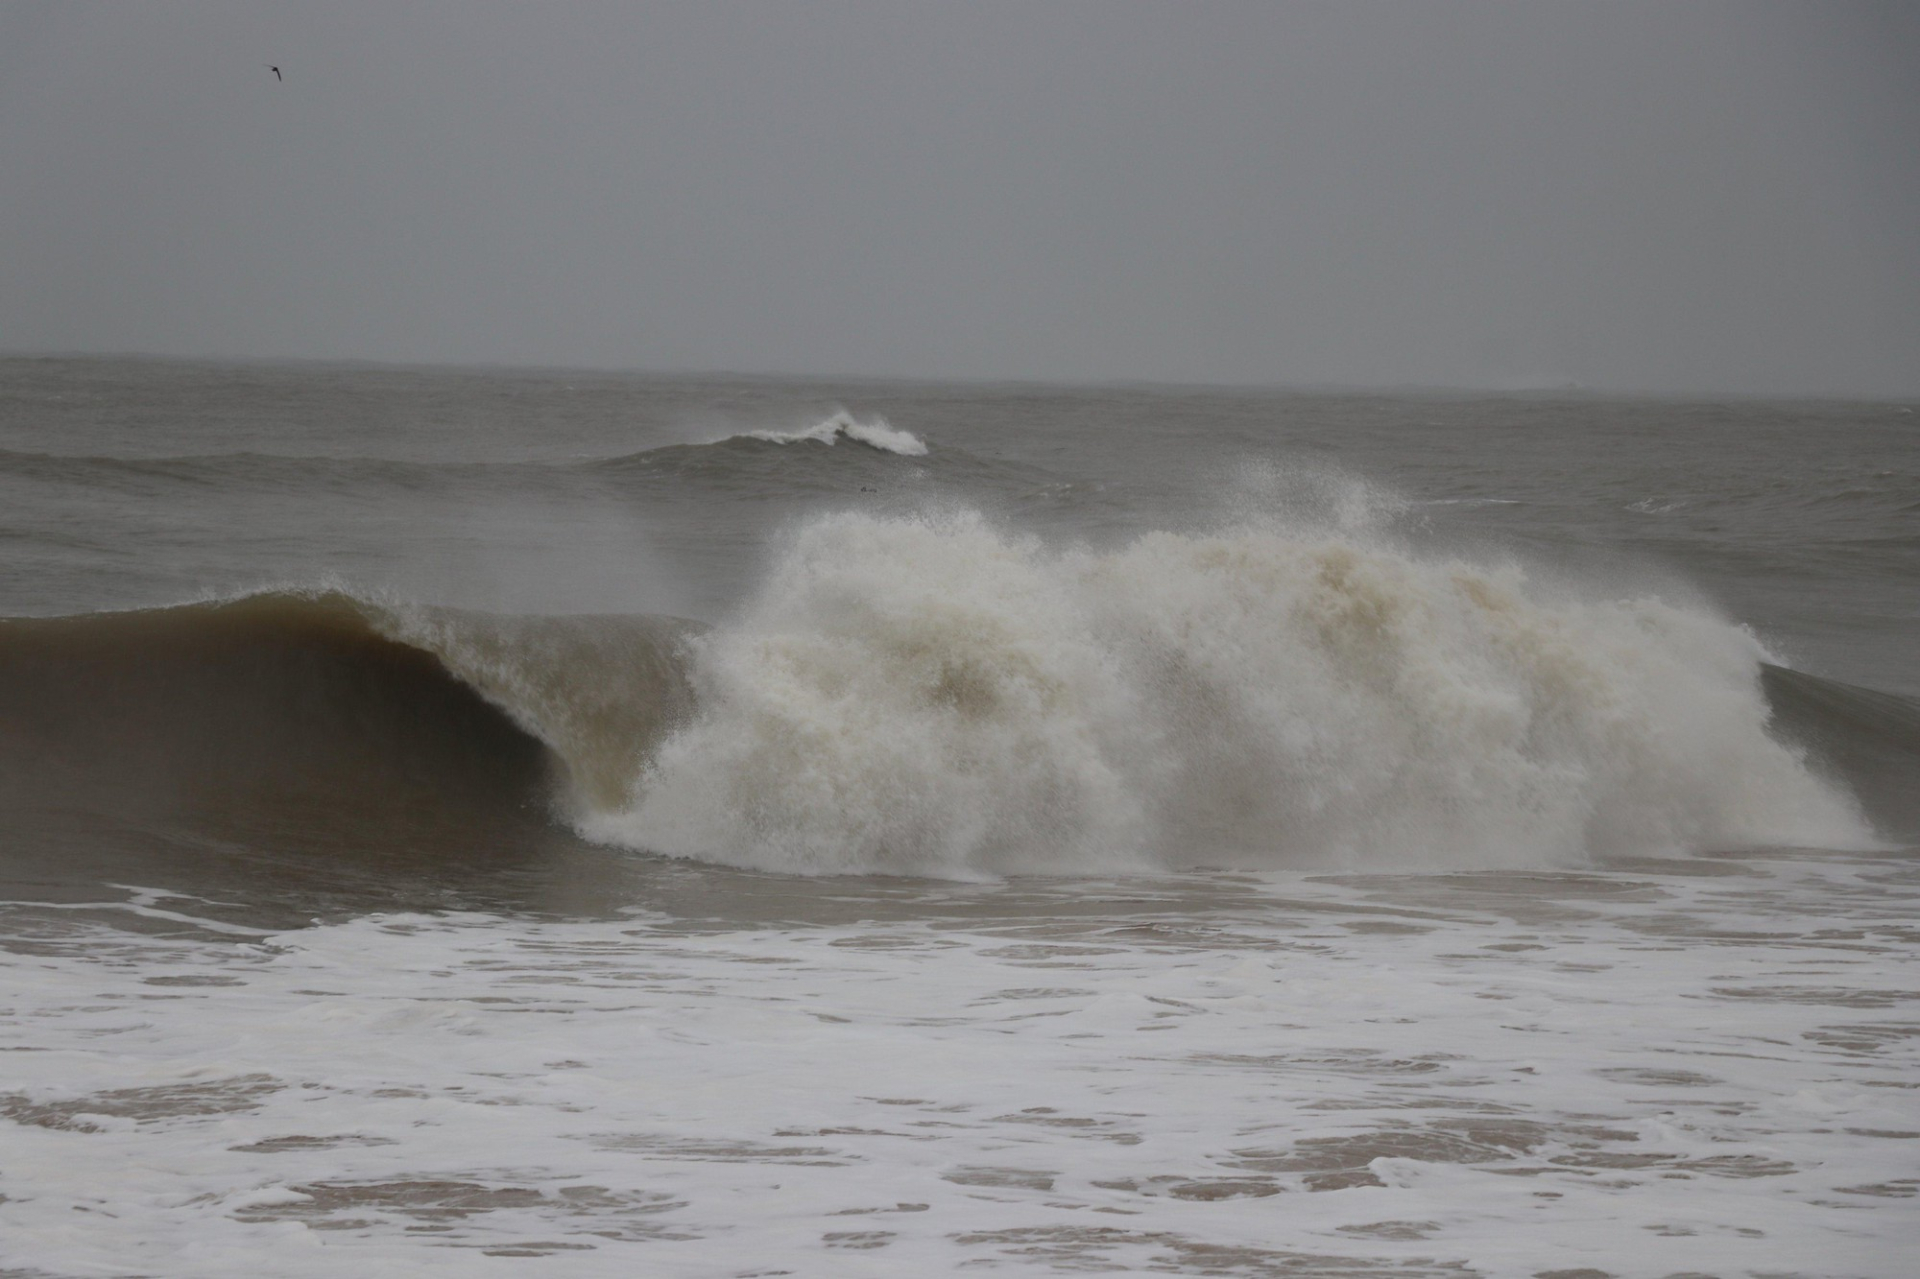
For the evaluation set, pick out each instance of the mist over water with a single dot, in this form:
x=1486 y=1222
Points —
x=1046 y=633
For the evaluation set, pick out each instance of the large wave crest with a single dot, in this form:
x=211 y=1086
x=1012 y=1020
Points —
x=935 y=695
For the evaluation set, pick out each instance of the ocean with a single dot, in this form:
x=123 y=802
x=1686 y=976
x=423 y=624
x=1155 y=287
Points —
x=570 y=823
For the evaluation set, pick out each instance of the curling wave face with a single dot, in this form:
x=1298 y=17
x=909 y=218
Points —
x=934 y=696
x=321 y=719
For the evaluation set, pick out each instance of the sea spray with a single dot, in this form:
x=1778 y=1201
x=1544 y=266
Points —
x=935 y=695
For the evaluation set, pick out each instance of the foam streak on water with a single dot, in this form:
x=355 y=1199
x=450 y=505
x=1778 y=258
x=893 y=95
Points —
x=1699 y=1067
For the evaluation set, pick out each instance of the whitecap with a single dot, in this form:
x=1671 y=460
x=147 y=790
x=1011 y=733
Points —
x=875 y=432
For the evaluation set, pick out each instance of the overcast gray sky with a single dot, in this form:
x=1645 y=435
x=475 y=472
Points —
x=1669 y=196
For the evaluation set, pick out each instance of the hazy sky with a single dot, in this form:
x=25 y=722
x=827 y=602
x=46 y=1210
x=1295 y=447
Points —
x=1668 y=196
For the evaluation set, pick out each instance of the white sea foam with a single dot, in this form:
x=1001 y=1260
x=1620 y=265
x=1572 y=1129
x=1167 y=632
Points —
x=1646 y=1072
x=875 y=432
x=937 y=696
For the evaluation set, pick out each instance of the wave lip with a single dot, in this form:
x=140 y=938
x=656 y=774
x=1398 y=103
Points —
x=875 y=432
x=932 y=696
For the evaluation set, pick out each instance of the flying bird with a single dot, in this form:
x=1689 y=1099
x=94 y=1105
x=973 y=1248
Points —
x=276 y=73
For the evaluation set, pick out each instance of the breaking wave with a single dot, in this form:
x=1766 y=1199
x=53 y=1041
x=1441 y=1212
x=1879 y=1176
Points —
x=937 y=696
x=875 y=432
x=736 y=461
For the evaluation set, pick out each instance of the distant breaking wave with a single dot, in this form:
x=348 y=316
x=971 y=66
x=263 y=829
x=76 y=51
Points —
x=720 y=461
x=875 y=432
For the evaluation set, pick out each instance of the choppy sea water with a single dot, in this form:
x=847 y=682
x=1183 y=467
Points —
x=465 y=821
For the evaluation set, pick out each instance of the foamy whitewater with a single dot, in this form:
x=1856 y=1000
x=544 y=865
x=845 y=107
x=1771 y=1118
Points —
x=456 y=826
x=933 y=697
